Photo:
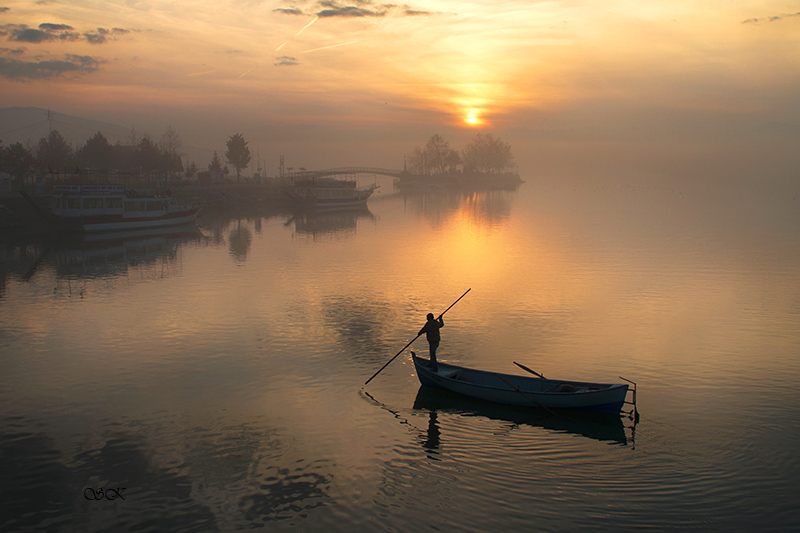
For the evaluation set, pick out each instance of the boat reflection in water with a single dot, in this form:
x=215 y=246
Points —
x=340 y=222
x=604 y=427
x=104 y=255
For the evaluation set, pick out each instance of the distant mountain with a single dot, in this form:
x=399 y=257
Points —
x=29 y=124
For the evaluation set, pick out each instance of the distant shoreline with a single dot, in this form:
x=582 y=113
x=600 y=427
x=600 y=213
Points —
x=460 y=179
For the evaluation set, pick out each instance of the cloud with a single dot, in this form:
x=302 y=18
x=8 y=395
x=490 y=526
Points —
x=289 y=11
x=102 y=35
x=95 y=38
x=49 y=32
x=286 y=61
x=16 y=69
x=332 y=9
x=355 y=9
x=773 y=18
x=28 y=35
x=49 y=27
x=5 y=9
x=417 y=13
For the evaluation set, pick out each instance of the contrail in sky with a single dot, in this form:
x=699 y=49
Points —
x=306 y=26
x=296 y=34
x=326 y=47
x=245 y=72
x=201 y=73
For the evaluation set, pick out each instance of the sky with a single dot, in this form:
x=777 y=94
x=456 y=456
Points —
x=357 y=82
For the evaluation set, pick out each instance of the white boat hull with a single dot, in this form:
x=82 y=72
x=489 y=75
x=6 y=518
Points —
x=94 y=224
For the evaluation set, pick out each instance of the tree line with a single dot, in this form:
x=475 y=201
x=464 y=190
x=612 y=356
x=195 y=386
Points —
x=55 y=156
x=484 y=155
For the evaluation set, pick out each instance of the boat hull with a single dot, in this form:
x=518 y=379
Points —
x=103 y=223
x=510 y=389
x=329 y=194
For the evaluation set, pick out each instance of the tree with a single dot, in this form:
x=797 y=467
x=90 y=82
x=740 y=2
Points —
x=439 y=155
x=124 y=157
x=55 y=153
x=216 y=164
x=17 y=161
x=191 y=170
x=487 y=154
x=238 y=154
x=148 y=156
x=171 y=145
x=436 y=158
x=416 y=162
x=97 y=153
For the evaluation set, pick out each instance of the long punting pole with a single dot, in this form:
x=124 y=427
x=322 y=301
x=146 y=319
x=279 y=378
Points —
x=412 y=340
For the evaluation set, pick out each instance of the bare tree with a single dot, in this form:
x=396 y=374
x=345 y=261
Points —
x=439 y=155
x=171 y=145
x=436 y=158
x=487 y=155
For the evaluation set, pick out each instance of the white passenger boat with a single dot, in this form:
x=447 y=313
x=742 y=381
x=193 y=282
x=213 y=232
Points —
x=326 y=193
x=527 y=391
x=93 y=208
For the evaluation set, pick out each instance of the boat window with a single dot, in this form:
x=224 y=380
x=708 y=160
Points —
x=74 y=203
x=155 y=205
x=113 y=203
x=93 y=203
x=135 y=205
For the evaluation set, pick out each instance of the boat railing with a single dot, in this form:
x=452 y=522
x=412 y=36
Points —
x=88 y=189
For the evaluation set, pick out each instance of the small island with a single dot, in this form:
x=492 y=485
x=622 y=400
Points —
x=484 y=162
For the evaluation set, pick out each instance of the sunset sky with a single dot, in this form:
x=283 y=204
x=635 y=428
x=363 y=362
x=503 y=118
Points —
x=300 y=77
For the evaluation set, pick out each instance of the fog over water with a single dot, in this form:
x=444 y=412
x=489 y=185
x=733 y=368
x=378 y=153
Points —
x=212 y=379
x=217 y=375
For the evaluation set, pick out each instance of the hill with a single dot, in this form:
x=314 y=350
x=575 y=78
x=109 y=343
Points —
x=27 y=125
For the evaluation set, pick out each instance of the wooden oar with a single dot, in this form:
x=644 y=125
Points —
x=412 y=340
x=526 y=395
x=523 y=367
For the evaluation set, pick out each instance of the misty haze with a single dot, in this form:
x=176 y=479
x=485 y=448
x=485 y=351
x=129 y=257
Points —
x=359 y=266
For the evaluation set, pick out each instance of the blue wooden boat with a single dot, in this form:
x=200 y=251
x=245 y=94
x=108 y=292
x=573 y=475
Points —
x=530 y=391
x=607 y=427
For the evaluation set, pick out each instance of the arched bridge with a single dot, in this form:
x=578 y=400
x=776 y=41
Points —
x=309 y=174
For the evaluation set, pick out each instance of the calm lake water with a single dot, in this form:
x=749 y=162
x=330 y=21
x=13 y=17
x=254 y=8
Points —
x=218 y=376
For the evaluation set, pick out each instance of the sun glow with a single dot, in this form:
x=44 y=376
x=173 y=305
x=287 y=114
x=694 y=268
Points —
x=472 y=117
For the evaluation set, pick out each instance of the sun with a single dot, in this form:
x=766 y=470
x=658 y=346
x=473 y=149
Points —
x=472 y=118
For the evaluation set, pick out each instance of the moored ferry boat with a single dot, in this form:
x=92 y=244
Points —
x=324 y=193
x=93 y=208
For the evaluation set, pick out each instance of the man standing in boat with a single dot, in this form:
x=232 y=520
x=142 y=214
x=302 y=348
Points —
x=431 y=330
